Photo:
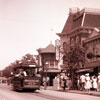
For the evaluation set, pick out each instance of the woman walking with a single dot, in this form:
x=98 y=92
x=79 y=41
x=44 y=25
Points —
x=98 y=89
x=95 y=83
x=88 y=82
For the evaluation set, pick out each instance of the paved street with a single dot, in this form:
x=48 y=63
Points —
x=6 y=93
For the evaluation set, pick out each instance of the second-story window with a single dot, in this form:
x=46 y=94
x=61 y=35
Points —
x=77 y=40
x=72 y=42
x=64 y=46
x=51 y=63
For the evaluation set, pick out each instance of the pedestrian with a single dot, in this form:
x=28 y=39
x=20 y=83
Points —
x=21 y=74
x=69 y=83
x=82 y=82
x=95 y=83
x=78 y=83
x=45 y=83
x=87 y=82
x=64 y=83
x=98 y=82
x=61 y=81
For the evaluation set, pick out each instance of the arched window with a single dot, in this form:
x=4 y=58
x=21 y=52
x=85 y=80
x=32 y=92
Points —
x=64 y=46
x=77 y=39
x=72 y=41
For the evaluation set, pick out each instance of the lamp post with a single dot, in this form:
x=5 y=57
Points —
x=45 y=82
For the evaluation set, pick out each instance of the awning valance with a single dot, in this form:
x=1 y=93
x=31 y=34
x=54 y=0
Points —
x=84 y=70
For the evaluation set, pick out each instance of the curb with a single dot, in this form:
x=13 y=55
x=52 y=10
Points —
x=86 y=93
x=81 y=92
x=93 y=93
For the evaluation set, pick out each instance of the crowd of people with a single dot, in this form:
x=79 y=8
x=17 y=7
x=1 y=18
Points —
x=87 y=82
x=62 y=81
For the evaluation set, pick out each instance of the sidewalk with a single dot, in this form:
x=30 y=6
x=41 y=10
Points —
x=94 y=93
x=69 y=94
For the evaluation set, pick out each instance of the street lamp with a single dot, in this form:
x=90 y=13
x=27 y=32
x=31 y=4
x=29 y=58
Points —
x=45 y=83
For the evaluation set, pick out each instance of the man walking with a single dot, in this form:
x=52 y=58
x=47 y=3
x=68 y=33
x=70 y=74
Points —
x=82 y=82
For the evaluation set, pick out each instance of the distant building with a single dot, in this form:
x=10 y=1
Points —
x=1 y=73
x=47 y=59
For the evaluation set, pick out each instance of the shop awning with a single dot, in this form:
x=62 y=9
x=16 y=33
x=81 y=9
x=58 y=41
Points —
x=85 y=70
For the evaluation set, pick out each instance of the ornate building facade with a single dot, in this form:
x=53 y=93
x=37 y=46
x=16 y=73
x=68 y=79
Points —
x=92 y=45
x=78 y=28
x=47 y=60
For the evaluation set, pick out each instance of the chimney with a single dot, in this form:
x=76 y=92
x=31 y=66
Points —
x=73 y=11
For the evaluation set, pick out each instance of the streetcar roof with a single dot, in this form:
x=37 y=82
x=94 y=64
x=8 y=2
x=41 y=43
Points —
x=26 y=67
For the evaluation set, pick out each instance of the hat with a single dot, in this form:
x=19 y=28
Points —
x=87 y=74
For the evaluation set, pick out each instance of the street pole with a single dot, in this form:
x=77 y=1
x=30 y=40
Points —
x=45 y=84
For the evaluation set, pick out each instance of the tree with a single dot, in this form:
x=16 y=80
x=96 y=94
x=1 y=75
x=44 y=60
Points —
x=75 y=55
x=28 y=59
x=75 y=58
x=7 y=71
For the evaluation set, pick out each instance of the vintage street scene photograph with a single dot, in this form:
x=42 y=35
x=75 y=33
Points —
x=49 y=49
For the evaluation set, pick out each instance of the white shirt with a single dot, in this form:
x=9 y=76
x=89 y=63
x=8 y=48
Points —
x=82 y=77
x=98 y=78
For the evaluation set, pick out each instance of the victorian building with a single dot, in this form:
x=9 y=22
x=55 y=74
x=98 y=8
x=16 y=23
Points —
x=47 y=60
x=92 y=45
x=81 y=25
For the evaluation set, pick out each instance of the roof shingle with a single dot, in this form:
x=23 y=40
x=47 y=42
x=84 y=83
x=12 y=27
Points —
x=49 y=49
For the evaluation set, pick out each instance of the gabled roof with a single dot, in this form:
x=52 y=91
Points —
x=49 y=49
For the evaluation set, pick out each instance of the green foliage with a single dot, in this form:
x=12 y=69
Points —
x=75 y=55
x=7 y=71
x=28 y=59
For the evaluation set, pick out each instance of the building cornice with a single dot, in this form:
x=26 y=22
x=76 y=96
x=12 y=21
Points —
x=61 y=34
x=78 y=30
x=92 y=38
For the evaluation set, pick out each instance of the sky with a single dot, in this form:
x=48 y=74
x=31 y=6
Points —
x=26 y=25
